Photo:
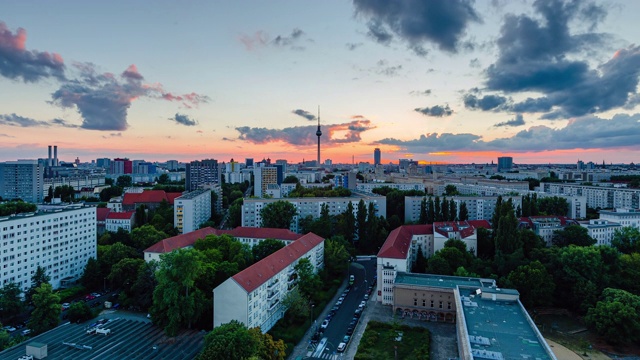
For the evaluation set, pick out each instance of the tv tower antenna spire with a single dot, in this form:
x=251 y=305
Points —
x=318 y=134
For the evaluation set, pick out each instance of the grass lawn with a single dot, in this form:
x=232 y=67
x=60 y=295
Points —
x=381 y=341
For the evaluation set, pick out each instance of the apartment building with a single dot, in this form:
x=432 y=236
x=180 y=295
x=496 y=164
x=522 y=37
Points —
x=263 y=177
x=191 y=210
x=478 y=207
x=598 y=196
x=249 y=236
x=120 y=220
x=623 y=216
x=601 y=230
x=203 y=172
x=368 y=187
x=22 y=179
x=310 y=206
x=60 y=239
x=254 y=295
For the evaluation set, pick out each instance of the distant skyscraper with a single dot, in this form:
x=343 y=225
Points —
x=263 y=176
x=201 y=173
x=121 y=166
x=376 y=156
x=248 y=162
x=21 y=179
x=318 y=134
x=505 y=163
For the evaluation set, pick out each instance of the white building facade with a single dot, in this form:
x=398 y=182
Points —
x=624 y=217
x=254 y=295
x=601 y=230
x=59 y=239
x=191 y=210
x=120 y=220
x=22 y=179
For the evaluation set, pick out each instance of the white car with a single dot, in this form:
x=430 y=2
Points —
x=10 y=328
x=324 y=324
x=363 y=304
x=341 y=347
x=26 y=357
x=26 y=332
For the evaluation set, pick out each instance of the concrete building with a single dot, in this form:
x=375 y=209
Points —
x=21 y=179
x=254 y=295
x=368 y=187
x=77 y=182
x=149 y=198
x=101 y=220
x=120 y=220
x=478 y=207
x=60 y=239
x=505 y=163
x=346 y=180
x=191 y=210
x=202 y=172
x=310 y=206
x=597 y=196
x=624 y=217
x=121 y=166
x=249 y=236
x=601 y=230
x=263 y=177
x=115 y=204
x=377 y=157
x=545 y=226
x=466 y=231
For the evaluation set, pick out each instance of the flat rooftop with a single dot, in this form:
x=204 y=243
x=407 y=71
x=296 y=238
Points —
x=43 y=210
x=129 y=339
x=500 y=330
x=441 y=281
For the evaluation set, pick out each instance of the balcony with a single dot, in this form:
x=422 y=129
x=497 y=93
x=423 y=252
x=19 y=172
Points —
x=273 y=305
x=272 y=284
x=272 y=295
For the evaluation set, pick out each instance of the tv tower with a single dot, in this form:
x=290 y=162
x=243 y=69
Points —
x=318 y=134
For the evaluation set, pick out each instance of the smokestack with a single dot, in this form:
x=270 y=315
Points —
x=55 y=155
x=49 y=159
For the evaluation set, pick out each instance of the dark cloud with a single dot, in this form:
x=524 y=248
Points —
x=183 y=120
x=290 y=40
x=112 y=135
x=474 y=63
x=18 y=63
x=435 y=111
x=7 y=136
x=485 y=103
x=353 y=46
x=383 y=68
x=420 y=92
x=517 y=121
x=21 y=121
x=306 y=135
x=305 y=114
x=538 y=55
x=103 y=99
x=589 y=132
x=441 y=22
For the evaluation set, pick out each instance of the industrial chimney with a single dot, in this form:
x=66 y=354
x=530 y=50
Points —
x=49 y=159
x=55 y=155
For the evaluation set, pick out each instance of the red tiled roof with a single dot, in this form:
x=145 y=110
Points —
x=101 y=214
x=188 y=239
x=127 y=215
x=397 y=244
x=465 y=228
x=149 y=196
x=257 y=274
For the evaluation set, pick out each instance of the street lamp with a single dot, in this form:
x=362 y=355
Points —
x=311 y=318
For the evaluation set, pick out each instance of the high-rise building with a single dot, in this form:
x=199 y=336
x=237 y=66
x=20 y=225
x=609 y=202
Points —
x=505 y=163
x=192 y=210
x=248 y=162
x=263 y=176
x=376 y=156
x=21 y=179
x=121 y=166
x=202 y=172
x=103 y=163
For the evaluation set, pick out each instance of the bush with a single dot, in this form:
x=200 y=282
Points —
x=66 y=295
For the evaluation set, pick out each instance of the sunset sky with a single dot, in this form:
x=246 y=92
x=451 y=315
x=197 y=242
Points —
x=438 y=81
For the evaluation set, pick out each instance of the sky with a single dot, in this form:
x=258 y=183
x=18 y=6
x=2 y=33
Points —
x=438 y=81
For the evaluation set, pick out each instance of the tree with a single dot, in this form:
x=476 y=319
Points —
x=6 y=340
x=163 y=179
x=464 y=213
x=10 y=301
x=437 y=213
x=47 y=309
x=423 y=211
x=278 y=214
x=291 y=179
x=66 y=193
x=361 y=220
x=308 y=281
x=92 y=276
x=451 y=190
x=553 y=205
x=296 y=304
x=79 y=312
x=420 y=266
x=626 y=240
x=235 y=213
x=430 y=211
x=444 y=208
x=231 y=341
x=145 y=236
x=265 y=248
x=268 y=349
x=453 y=210
x=336 y=256
x=124 y=273
x=348 y=223
x=534 y=283
x=176 y=302
x=124 y=181
x=39 y=277
x=616 y=316
x=572 y=235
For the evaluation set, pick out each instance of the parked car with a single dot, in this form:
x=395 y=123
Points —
x=10 y=328
x=349 y=330
x=363 y=304
x=324 y=324
x=26 y=357
x=339 y=302
x=341 y=347
x=357 y=312
x=26 y=332
x=366 y=296
x=346 y=339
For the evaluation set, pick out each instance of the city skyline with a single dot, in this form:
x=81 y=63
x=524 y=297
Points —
x=438 y=82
